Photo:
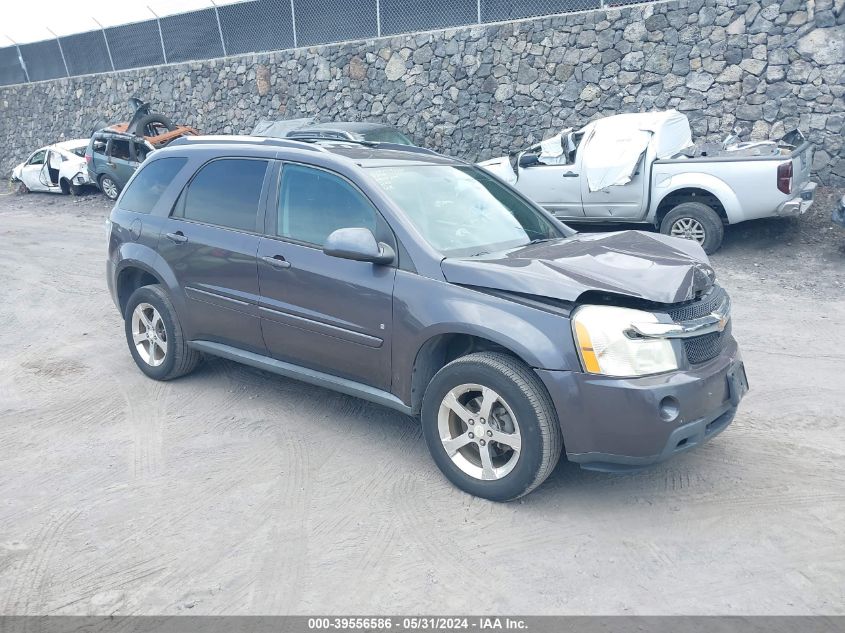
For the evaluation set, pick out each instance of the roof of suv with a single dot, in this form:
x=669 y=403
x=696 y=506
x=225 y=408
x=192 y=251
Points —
x=363 y=154
x=348 y=126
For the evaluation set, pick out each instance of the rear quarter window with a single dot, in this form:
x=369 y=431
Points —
x=99 y=146
x=150 y=183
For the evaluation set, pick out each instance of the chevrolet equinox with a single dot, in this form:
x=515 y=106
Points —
x=425 y=284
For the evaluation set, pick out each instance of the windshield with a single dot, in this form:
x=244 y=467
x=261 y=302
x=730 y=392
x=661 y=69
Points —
x=463 y=211
x=386 y=135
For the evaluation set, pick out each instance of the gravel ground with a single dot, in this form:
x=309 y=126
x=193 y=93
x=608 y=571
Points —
x=233 y=491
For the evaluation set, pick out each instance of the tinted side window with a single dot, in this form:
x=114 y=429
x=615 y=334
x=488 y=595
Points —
x=225 y=192
x=313 y=203
x=120 y=149
x=99 y=146
x=150 y=183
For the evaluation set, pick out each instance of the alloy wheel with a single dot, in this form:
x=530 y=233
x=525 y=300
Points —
x=688 y=228
x=149 y=334
x=479 y=432
x=109 y=188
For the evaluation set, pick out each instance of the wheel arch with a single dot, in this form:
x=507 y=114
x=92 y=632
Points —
x=440 y=349
x=131 y=276
x=710 y=190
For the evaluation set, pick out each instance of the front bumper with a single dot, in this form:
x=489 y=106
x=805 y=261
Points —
x=614 y=424
x=838 y=215
x=798 y=204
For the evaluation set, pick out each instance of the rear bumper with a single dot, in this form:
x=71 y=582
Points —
x=614 y=424
x=800 y=202
x=838 y=215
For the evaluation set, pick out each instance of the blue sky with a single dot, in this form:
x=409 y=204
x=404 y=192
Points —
x=28 y=21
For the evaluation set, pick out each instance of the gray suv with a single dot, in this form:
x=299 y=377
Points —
x=427 y=285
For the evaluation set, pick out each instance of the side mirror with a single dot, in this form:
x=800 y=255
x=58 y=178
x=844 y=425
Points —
x=527 y=160
x=358 y=244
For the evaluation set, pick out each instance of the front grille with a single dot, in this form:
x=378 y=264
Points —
x=703 y=348
x=700 y=349
x=700 y=307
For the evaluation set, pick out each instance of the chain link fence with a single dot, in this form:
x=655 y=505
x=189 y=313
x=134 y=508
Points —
x=257 y=26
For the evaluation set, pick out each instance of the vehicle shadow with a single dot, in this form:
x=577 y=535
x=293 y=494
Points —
x=384 y=436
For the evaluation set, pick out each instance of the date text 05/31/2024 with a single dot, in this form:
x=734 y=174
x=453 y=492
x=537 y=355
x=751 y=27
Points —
x=417 y=623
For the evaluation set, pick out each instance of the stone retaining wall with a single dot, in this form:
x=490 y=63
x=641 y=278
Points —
x=480 y=91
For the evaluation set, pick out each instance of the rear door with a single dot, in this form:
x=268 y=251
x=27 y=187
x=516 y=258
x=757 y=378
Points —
x=120 y=164
x=210 y=242
x=325 y=313
x=99 y=158
x=619 y=201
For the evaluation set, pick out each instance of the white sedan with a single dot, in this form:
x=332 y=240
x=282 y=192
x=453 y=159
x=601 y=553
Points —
x=58 y=168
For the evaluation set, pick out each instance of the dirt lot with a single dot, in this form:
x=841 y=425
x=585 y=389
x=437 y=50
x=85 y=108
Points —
x=234 y=491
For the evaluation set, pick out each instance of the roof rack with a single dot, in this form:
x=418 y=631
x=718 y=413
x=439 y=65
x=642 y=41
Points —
x=218 y=139
x=312 y=140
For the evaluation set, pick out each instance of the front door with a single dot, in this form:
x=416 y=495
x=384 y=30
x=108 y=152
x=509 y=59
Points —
x=325 y=313
x=34 y=173
x=556 y=188
x=210 y=242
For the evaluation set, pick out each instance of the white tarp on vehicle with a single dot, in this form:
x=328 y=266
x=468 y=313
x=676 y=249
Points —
x=614 y=146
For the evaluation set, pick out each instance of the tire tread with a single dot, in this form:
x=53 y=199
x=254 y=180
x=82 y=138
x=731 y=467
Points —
x=531 y=385
x=185 y=357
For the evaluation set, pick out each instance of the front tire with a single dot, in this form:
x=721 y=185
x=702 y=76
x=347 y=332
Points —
x=490 y=426
x=155 y=337
x=109 y=187
x=695 y=221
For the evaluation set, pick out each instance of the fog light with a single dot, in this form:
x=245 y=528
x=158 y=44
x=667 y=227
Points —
x=669 y=409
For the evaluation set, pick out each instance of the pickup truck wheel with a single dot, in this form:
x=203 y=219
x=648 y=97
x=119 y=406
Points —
x=490 y=426
x=695 y=221
x=155 y=336
x=109 y=187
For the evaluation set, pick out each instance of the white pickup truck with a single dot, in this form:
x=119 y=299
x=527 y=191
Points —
x=642 y=168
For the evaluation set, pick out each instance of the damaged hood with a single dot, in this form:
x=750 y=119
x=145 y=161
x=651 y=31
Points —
x=636 y=264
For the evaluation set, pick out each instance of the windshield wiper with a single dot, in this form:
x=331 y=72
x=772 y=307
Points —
x=542 y=239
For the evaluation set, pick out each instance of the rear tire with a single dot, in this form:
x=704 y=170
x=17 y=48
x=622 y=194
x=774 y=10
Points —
x=695 y=221
x=155 y=336
x=109 y=187
x=520 y=431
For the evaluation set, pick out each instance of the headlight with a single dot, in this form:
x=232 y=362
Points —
x=604 y=342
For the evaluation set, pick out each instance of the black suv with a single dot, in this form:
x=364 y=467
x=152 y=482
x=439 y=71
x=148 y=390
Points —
x=427 y=285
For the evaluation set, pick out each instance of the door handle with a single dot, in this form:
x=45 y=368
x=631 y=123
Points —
x=177 y=237
x=277 y=261
x=570 y=174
